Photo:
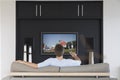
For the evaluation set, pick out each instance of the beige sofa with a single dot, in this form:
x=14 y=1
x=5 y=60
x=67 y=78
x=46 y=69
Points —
x=98 y=71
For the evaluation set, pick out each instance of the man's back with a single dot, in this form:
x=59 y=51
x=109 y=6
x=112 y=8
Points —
x=60 y=63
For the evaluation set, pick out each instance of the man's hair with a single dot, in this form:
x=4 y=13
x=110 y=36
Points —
x=59 y=50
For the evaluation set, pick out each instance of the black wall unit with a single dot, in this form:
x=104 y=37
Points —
x=84 y=17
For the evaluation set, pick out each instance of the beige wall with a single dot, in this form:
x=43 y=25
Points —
x=111 y=36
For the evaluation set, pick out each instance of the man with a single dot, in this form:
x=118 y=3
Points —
x=58 y=61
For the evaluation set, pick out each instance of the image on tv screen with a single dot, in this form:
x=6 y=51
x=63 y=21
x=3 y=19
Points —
x=67 y=40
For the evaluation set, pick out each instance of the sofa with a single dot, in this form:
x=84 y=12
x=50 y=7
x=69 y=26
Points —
x=99 y=71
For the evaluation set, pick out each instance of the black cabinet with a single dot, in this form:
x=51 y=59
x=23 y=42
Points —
x=59 y=10
x=85 y=9
x=83 y=17
x=28 y=9
x=92 y=9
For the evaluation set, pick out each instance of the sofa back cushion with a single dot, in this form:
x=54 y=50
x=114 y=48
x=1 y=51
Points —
x=99 y=67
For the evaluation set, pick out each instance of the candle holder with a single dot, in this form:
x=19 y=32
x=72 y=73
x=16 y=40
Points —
x=28 y=43
x=91 y=57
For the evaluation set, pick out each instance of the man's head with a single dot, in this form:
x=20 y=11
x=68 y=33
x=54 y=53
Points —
x=59 y=50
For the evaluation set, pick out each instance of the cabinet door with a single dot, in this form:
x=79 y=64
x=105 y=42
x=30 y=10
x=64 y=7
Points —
x=26 y=9
x=59 y=10
x=92 y=9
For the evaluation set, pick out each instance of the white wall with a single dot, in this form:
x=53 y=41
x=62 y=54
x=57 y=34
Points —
x=8 y=35
x=0 y=40
x=111 y=35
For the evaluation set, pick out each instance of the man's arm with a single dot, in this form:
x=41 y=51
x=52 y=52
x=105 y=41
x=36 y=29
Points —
x=74 y=55
x=28 y=63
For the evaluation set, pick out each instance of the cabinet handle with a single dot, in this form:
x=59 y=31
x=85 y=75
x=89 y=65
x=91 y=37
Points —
x=40 y=10
x=82 y=10
x=36 y=10
x=78 y=10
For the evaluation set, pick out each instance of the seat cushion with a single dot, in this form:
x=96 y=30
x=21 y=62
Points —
x=18 y=67
x=99 y=67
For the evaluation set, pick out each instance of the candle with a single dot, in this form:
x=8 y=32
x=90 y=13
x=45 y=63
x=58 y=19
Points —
x=25 y=48
x=25 y=56
x=30 y=49
x=30 y=57
x=30 y=54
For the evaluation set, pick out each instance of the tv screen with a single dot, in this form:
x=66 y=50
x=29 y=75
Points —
x=67 y=40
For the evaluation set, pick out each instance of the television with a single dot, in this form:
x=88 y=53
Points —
x=67 y=39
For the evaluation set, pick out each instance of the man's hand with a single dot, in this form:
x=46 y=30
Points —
x=74 y=55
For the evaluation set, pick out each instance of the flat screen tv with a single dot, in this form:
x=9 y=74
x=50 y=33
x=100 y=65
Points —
x=67 y=39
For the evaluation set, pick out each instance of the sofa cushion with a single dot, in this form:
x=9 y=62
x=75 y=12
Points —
x=99 y=67
x=18 y=67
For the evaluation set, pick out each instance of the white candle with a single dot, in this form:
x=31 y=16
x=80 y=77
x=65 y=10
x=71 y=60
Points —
x=25 y=56
x=30 y=57
x=25 y=48
x=30 y=49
